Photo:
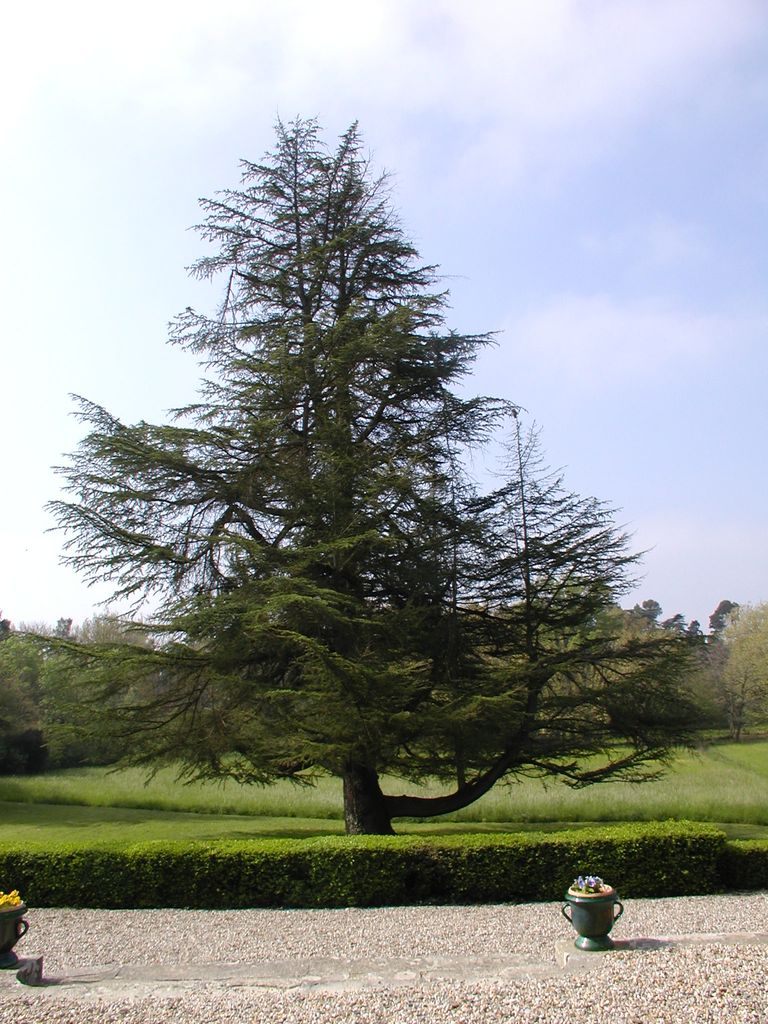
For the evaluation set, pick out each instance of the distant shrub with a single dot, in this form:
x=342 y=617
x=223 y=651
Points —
x=23 y=753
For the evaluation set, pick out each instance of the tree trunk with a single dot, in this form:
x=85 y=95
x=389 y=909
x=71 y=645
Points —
x=367 y=811
x=365 y=806
x=427 y=807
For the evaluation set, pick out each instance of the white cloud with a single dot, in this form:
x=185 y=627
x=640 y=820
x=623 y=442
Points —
x=558 y=61
x=594 y=341
x=188 y=57
x=662 y=243
x=512 y=78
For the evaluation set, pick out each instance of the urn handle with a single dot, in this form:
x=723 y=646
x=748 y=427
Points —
x=565 y=907
x=620 y=905
x=22 y=927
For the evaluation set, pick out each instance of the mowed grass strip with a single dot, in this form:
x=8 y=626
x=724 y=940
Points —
x=41 y=826
x=724 y=784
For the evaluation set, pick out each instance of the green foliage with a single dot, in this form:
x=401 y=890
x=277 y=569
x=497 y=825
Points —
x=718 y=620
x=640 y=860
x=743 y=680
x=655 y=859
x=336 y=593
x=51 y=714
x=730 y=676
x=77 y=719
x=21 y=741
x=744 y=865
x=20 y=666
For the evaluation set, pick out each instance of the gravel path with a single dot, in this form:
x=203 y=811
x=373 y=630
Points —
x=711 y=982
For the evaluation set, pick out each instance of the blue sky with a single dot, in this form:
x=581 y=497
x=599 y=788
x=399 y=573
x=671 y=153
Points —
x=592 y=178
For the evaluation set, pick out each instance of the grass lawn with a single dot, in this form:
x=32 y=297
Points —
x=725 y=783
x=48 y=824
x=40 y=826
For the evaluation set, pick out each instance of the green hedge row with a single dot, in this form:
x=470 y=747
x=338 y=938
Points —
x=669 y=859
x=744 y=865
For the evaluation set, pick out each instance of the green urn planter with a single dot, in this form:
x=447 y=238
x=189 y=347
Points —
x=592 y=914
x=12 y=927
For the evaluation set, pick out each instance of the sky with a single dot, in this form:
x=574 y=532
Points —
x=590 y=175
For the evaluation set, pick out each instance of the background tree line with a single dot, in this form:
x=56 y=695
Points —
x=729 y=675
x=48 y=718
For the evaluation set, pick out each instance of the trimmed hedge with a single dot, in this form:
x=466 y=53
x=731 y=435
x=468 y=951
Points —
x=656 y=859
x=744 y=865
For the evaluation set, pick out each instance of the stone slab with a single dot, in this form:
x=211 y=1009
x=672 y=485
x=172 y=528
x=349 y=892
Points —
x=336 y=975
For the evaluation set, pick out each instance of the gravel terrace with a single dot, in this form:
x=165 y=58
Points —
x=488 y=964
